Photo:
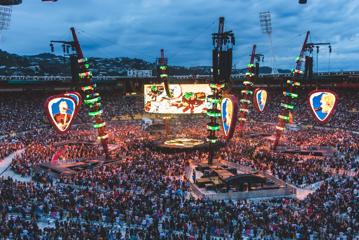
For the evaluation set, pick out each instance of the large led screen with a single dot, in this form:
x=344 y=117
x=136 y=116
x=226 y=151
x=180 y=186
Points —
x=186 y=98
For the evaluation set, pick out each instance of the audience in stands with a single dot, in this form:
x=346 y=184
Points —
x=145 y=194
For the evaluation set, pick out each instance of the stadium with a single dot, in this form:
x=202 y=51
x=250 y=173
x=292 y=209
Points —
x=170 y=152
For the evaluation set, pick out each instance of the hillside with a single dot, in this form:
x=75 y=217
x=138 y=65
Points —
x=50 y=64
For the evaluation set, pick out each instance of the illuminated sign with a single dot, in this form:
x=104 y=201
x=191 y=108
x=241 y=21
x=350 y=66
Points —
x=61 y=111
x=229 y=111
x=76 y=96
x=186 y=98
x=260 y=99
x=322 y=104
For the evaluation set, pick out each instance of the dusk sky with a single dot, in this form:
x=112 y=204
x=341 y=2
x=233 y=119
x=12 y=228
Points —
x=139 y=28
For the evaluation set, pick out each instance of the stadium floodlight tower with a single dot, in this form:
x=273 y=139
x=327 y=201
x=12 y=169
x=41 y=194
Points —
x=5 y=12
x=265 y=20
x=222 y=67
x=10 y=2
x=5 y=17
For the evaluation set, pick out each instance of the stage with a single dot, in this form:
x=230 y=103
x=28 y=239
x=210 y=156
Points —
x=312 y=151
x=180 y=144
x=67 y=168
x=230 y=181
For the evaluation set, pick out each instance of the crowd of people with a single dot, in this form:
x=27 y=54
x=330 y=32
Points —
x=339 y=149
x=147 y=198
x=145 y=193
x=24 y=112
x=345 y=115
x=15 y=119
x=8 y=147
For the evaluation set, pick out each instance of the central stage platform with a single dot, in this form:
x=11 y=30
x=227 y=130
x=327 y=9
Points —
x=180 y=144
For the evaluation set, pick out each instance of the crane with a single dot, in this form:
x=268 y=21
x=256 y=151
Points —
x=247 y=92
x=289 y=95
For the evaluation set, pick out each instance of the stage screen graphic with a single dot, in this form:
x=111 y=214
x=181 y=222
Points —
x=61 y=111
x=322 y=104
x=260 y=99
x=229 y=112
x=187 y=98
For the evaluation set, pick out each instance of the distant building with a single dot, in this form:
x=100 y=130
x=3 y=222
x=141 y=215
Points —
x=34 y=68
x=139 y=73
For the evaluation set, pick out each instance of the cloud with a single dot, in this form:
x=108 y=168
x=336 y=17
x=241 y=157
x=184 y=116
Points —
x=140 y=28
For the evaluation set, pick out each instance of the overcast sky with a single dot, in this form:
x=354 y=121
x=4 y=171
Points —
x=139 y=28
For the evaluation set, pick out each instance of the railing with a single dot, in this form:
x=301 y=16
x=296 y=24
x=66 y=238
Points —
x=178 y=77
x=262 y=194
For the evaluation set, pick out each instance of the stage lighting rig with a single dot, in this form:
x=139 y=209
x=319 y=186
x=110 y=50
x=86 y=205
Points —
x=259 y=58
x=66 y=46
x=310 y=48
x=223 y=43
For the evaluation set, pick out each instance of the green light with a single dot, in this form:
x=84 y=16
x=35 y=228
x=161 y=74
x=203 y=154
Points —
x=247 y=83
x=217 y=86
x=287 y=106
x=245 y=101
x=297 y=71
x=250 y=65
x=95 y=105
x=102 y=137
x=163 y=75
x=212 y=139
x=99 y=125
x=213 y=127
x=163 y=67
x=93 y=114
x=283 y=117
x=297 y=84
x=244 y=110
x=249 y=74
x=87 y=65
x=92 y=101
x=213 y=100
x=92 y=95
x=85 y=74
x=292 y=95
x=247 y=92
x=213 y=113
x=87 y=88
x=90 y=87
